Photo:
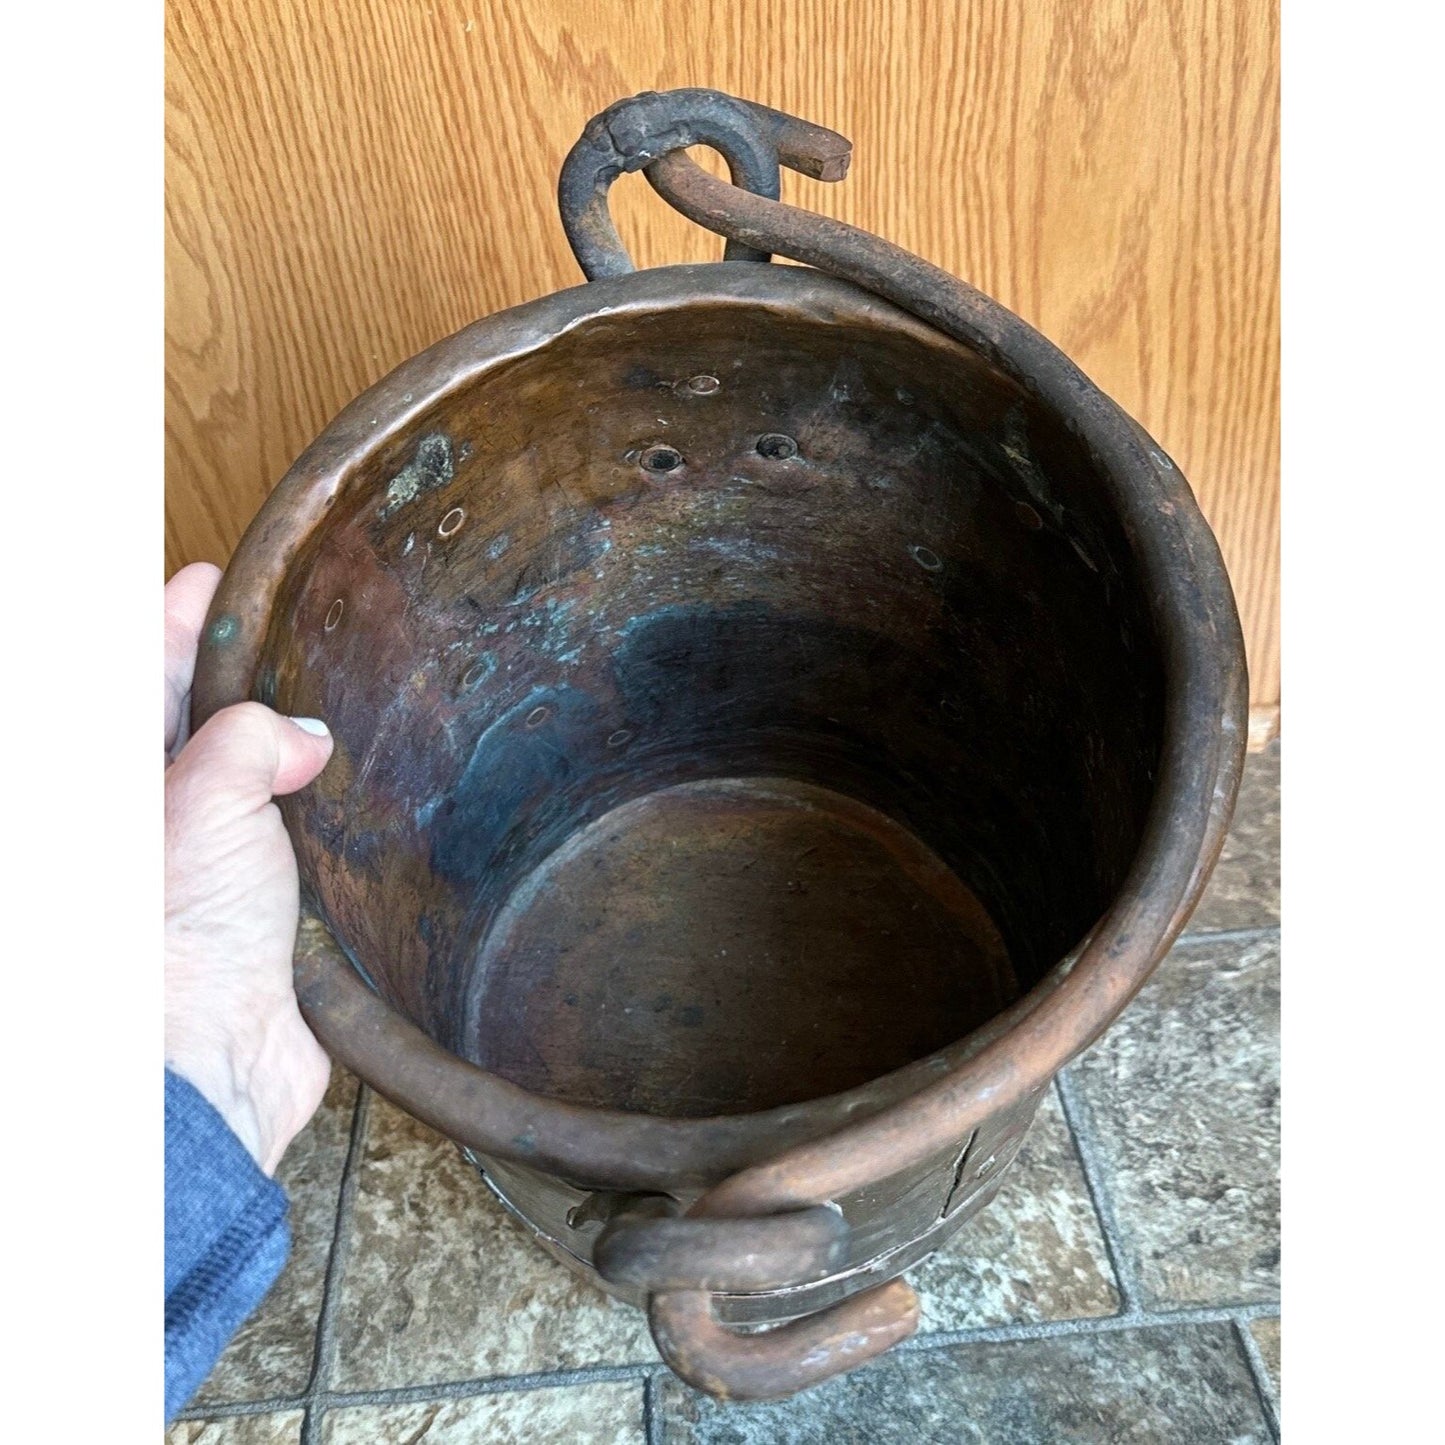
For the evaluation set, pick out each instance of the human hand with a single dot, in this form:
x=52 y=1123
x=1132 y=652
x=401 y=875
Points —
x=232 y=1025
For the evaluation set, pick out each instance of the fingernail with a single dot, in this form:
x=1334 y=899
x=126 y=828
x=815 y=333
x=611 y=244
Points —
x=312 y=725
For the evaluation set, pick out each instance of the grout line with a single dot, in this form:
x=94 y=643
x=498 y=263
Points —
x=323 y=1358
x=491 y=1385
x=649 y=1374
x=1102 y=1324
x=1093 y=1171
x=1228 y=935
x=651 y=1411
x=231 y=1409
x=1260 y=1373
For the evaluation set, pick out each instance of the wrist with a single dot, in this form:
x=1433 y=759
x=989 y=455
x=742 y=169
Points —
x=253 y=1069
x=216 y=1084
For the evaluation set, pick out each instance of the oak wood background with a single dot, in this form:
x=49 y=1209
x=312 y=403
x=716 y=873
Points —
x=349 y=180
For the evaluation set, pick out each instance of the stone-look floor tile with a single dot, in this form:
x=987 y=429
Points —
x=280 y=1429
x=272 y=1353
x=1035 y=1253
x=441 y=1284
x=1244 y=891
x=1127 y=1387
x=609 y=1414
x=1181 y=1101
x=1266 y=1336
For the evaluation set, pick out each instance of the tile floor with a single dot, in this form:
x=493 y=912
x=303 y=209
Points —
x=1123 y=1287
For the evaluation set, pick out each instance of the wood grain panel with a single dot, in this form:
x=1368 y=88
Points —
x=349 y=181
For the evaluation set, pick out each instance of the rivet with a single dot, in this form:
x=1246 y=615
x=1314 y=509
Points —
x=484 y=667
x=538 y=716
x=926 y=558
x=622 y=735
x=703 y=385
x=333 y=615
x=661 y=459
x=451 y=522
x=777 y=447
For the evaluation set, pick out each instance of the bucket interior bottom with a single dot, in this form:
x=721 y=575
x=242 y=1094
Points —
x=725 y=946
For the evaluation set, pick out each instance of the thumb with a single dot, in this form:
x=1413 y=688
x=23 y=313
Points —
x=247 y=754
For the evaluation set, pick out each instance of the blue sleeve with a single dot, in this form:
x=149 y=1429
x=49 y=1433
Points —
x=226 y=1238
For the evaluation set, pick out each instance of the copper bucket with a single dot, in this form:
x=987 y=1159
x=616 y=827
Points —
x=782 y=715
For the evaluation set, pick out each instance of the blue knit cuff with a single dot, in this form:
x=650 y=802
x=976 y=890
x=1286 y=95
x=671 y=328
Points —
x=226 y=1238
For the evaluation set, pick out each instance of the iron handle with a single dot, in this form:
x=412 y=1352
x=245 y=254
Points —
x=778 y=1362
x=688 y=1253
x=683 y=1261
x=631 y=134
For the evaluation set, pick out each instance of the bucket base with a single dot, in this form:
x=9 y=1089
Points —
x=731 y=945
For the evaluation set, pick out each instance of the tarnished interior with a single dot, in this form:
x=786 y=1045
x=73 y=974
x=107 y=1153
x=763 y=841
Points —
x=734 y=701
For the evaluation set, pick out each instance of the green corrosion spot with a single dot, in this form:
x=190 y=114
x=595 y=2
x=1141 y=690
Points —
x=223 y=630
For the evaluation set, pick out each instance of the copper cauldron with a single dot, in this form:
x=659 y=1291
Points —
x=782 y=715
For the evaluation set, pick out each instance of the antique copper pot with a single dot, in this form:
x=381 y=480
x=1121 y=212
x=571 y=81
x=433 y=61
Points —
x=782 y=715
